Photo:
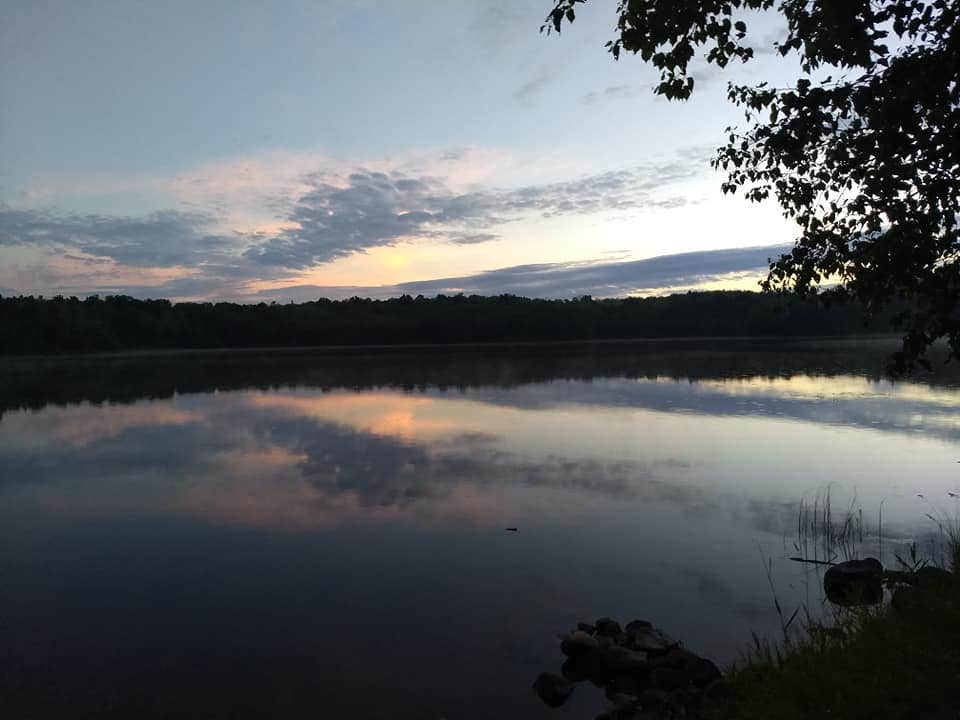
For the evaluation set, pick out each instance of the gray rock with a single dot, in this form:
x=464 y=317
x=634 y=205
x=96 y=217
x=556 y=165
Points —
x=576 y=669
x=552 y=689
x=855 y=582
x=668 y=678
x=674 y=657
x=624 y=684
x=635 y=625
x=624 y=712
x=621 y=659
x=578 y=643
x=702 y=672
x=608 y=627
x=651 y=640
x=586 y=627
x=653 y=699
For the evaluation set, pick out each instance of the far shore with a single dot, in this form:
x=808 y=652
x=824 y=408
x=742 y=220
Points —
x=857 y=339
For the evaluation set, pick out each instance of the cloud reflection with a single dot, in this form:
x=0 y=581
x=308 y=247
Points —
x=300 y=459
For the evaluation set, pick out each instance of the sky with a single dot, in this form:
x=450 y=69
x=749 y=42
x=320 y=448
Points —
x=284 y=150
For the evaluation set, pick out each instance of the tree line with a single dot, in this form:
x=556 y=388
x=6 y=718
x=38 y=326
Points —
x=38 y=325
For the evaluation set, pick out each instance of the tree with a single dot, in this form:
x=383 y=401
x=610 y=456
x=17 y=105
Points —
x=863 y=151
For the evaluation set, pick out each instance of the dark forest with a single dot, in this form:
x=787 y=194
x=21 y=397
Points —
x=35 y=325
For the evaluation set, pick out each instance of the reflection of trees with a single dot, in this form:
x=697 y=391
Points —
x=35 y=383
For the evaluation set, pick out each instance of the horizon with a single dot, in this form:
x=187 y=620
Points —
x=211 y=154
x=731 y=270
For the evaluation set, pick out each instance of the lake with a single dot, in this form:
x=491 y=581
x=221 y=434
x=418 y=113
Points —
x=323 y=533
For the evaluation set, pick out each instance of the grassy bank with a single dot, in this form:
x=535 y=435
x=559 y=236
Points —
x=897 y=660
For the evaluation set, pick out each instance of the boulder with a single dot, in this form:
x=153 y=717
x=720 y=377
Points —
x=669 y=678
x=578 y=643
x=552 y=689
x=651 y=640
x=653 y=699
x=635 y=625
x=855 y=582
x=623 y=712
x=624 y=684
x=703 y=672
x=587 y=628
x=623 y=660
x=608 y=627
x=576 y=669
x=675 y=657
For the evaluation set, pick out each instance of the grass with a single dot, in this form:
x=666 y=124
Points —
x=893 y=661
x=823 y=537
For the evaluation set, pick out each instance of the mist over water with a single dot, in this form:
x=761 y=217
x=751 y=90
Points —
x=303 y=533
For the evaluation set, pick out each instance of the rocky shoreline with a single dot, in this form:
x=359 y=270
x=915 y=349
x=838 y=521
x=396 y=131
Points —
x=643 y=671
x=646 y=674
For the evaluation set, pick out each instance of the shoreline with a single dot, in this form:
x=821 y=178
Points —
x=335 y=349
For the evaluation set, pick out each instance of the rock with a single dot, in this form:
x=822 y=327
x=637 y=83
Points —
x=624 y=712
x=702 y=672
x=675 y=657
x=684 y=699
x=668 y=678
x=653 y=699
x=635 y=625
x=608 y=627
x=575 y=670
x=553 y=689
x=652 y=641
x=624 y=684
x=586 y=627
x=855 y=582
x=578 y=643
x=621 y=659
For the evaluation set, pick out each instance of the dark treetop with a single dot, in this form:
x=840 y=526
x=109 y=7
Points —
x=32 y=325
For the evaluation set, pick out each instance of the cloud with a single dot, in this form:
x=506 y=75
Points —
x=374 y=209
x=366 y=210
x=162 y=239
x=532 y=88
x=614 y=92
x=331 y=214
x=471 y=238
x=558 y=280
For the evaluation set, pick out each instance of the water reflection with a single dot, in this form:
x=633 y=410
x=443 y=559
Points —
x=230 y=521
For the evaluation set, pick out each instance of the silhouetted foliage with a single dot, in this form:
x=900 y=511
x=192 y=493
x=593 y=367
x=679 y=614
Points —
x=60 y=324
x=863 y=152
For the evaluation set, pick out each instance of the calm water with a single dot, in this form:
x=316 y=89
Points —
x=322 y=535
